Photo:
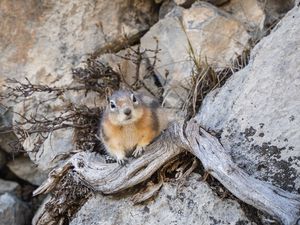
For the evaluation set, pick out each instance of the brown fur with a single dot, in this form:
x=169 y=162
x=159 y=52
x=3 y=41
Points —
x=121 y=139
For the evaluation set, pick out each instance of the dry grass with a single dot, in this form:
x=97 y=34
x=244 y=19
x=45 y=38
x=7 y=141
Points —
x=204 y=78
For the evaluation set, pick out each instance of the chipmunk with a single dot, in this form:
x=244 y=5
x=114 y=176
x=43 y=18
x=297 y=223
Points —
x=130 y=122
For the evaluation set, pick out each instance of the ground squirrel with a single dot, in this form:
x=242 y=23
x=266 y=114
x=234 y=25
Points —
x=130 y=122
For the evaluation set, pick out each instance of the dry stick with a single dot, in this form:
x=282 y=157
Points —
x=282 y=205
x=112 y=178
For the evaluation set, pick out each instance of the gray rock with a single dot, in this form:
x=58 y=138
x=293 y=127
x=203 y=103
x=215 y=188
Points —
x=13 y=211
x=24 y=168
x=250 y=12
x=215 y=37
x=195 y=203
x=257 y=111
x=258 y=15
x=166 y=7
x=8 y=186
x=119 y=62
x=49 y=154
x=7 y=136
x=44 y=40
x=276 y=9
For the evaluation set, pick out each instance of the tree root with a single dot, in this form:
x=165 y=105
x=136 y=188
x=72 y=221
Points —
x=106 y=178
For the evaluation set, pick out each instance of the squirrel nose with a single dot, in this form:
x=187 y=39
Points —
x=127 y=111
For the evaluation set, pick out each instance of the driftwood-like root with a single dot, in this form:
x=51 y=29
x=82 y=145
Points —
x=281 y=204
x=106 y=178
x=109 y=178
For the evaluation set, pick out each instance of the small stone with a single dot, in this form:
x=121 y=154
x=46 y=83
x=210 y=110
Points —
x=8 y=186
x=24 y=168
x=13 y=211
x=250 y=12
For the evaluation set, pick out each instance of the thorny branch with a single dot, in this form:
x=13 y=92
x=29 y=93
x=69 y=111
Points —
x=140 y=56
x=96 y=76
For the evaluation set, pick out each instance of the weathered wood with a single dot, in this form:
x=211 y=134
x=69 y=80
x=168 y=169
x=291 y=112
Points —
x=109 y=178
x=112 y=178
x=281 y=204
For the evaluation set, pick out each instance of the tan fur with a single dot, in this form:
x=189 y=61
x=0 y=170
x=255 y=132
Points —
x=121 y=139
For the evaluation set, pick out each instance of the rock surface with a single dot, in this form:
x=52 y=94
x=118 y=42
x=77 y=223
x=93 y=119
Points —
x=47 y=156
x=44 y=40
x=24 y=168
x=258 y=16
x=195 y=204
x=250 y=12
x=257 y=111
x=276 y=9
x=8 y=186
x=123 y=63
x=13 y=211
x=214 y=36
x=7 y=136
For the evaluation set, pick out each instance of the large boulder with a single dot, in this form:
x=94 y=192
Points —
x=24 y=168
x=44 y=40
x=202 y=32
x=257 y=111
x=195 y=203
x=13 y=211
x=47 y=155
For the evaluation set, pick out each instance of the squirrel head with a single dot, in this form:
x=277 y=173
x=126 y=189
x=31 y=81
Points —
x=124 y=107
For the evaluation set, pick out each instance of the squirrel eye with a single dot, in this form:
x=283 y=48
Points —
x=133 y=98
x=112 y=105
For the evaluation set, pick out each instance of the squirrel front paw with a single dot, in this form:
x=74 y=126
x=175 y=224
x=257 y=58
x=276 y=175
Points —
x=138 y=151
x=122 y=161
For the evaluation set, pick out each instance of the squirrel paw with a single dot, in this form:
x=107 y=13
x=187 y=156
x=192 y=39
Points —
x=109 y=159
x=138 y=151
x=122 y=162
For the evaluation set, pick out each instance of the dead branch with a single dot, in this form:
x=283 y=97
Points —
x=112 y=178
x=96 y=76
